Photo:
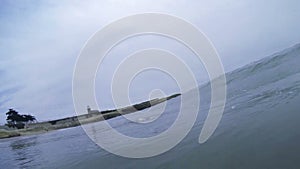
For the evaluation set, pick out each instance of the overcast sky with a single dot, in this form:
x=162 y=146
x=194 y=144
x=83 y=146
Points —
x=40 y=41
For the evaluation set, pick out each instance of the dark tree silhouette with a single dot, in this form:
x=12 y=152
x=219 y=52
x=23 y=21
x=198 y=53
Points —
x=15 y=120
x=29 y=118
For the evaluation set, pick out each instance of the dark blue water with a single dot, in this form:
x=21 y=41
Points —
x=259 y=129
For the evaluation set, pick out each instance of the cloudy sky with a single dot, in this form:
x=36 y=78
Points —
x=40 y=41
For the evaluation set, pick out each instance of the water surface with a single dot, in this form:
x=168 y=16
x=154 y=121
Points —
x=259 y=129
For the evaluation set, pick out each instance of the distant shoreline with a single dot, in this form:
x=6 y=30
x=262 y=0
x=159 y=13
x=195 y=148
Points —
x=95 y=116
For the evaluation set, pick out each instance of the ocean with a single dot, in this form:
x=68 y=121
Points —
x=260 y=128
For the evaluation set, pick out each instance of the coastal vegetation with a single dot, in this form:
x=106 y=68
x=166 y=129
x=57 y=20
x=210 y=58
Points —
x=16 y=120
x=27 y=125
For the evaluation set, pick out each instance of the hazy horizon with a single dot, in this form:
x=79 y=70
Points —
x=40 y=42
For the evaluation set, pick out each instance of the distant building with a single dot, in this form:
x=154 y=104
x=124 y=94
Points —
x=90 y=111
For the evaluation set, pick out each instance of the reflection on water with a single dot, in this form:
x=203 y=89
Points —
x=23 y=144
x=57 y=149
x=25 y=152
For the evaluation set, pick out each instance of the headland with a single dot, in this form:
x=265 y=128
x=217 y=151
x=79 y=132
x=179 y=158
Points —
x=91 y=117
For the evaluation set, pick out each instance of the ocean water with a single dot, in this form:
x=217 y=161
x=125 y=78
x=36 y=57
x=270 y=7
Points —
x=260 y=128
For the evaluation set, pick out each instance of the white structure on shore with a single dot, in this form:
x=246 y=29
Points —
x=90 y=111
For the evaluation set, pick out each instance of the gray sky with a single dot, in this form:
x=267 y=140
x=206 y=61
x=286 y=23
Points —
x=40 y=41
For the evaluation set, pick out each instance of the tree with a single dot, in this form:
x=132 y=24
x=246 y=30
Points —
x=15 y=120
x=29 y=118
